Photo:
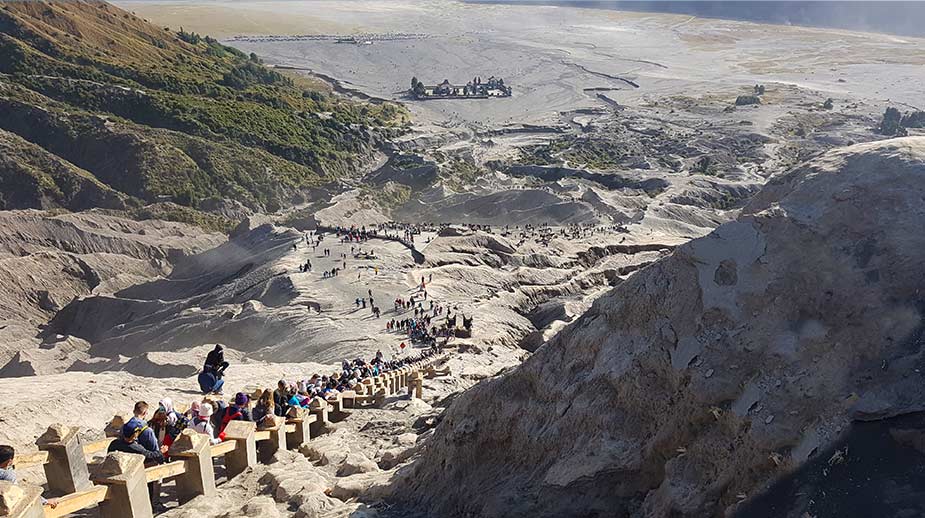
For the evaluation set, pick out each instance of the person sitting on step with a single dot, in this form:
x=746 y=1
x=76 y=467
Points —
x=7 y=461
x=209 y=383
x=202 y=423
x=237 y=411
x=146 y=438
x=281 y=398
x=264 y=413
x=167 y=423
x=129 y=443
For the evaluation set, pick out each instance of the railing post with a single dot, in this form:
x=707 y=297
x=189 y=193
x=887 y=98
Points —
x=66 y=469
x=379 y=399
x=336 y=409
x=277 y=440
x=124 y=474
x=20 y=501
x=369 y=386
x=198 y=477
x=318 y=408
x=348 y=399
x=302 y=433
x=417 y=386
x=245 y=451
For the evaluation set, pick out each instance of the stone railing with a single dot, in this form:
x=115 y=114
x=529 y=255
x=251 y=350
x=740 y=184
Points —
x=118 y=484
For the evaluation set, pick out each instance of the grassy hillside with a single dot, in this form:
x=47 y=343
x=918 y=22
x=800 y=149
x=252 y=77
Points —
x=137 y=114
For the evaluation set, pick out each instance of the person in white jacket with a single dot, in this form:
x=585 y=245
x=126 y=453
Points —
x=202 y=422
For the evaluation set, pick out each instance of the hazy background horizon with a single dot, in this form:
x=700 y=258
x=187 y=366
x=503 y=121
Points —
x=888 y=17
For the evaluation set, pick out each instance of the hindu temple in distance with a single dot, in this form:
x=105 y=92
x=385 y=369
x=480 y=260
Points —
x=474 y=89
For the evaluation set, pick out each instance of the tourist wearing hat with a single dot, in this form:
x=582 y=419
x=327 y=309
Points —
x=202 y=423
x=236 y=412
x=128 y=443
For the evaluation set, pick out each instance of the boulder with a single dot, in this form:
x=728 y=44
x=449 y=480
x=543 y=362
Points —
x=316 y=505
x=295 y=481
x=406 y=439
x=371 y=486
x=392 y=457
x=258 y=507
x=326 y=450
x=356 y=463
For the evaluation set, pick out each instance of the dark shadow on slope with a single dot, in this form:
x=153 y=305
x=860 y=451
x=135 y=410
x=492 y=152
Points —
x=876 y=469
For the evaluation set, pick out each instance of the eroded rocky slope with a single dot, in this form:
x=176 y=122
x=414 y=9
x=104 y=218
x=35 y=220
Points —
x=703 y=378
x=47 y=260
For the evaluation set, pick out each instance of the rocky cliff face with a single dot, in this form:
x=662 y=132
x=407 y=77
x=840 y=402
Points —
x=743 y=357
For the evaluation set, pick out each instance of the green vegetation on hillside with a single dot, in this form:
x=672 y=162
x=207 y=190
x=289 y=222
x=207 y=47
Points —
x=459 y=174
x=160 y=116
x=576 y=152
x=387 y=196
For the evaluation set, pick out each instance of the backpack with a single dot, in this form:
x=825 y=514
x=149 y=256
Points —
x=231 y=413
